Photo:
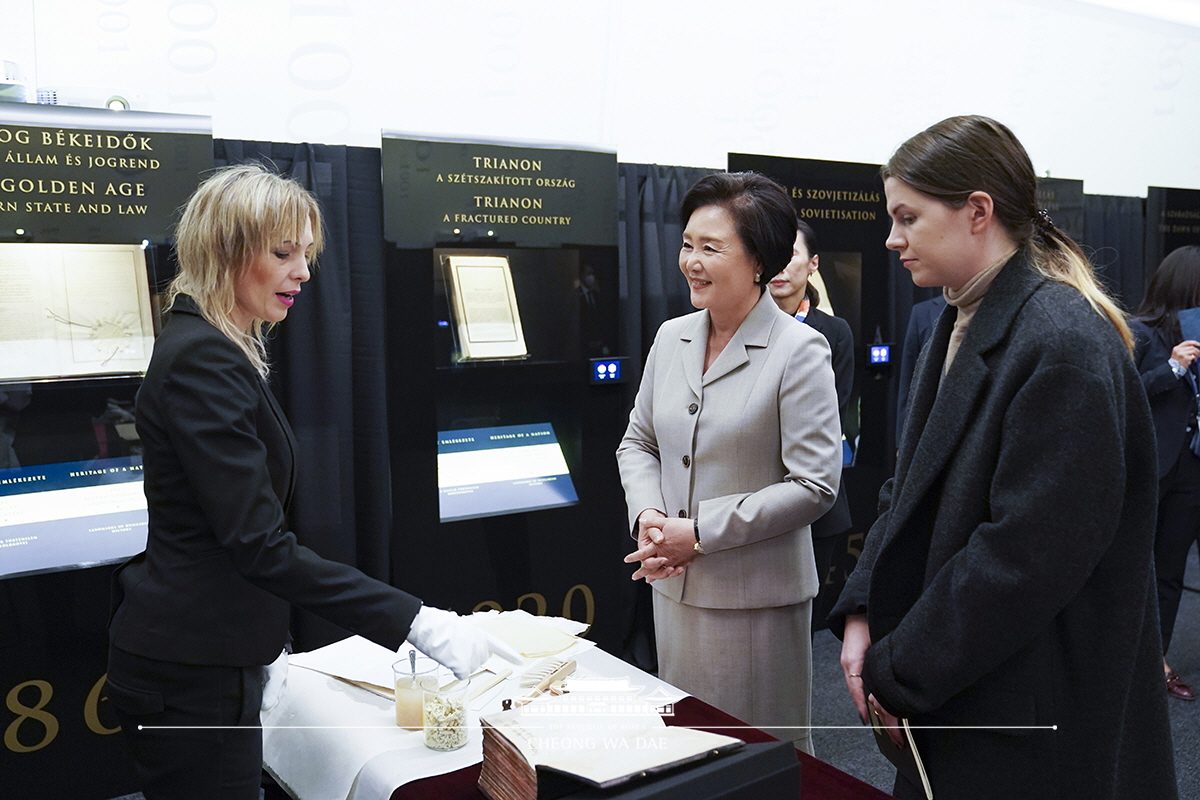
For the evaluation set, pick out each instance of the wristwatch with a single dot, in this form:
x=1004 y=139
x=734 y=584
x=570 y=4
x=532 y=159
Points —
x=699 y=548
x=1179 y=369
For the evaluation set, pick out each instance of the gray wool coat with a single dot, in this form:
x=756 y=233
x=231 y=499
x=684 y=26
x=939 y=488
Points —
x=1008 y=580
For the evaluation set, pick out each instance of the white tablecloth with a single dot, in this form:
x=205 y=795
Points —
x=328 y=740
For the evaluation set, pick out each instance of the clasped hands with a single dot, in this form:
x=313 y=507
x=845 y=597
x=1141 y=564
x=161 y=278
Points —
x=666 y=546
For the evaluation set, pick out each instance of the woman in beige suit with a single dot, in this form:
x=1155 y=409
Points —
x=733 y=449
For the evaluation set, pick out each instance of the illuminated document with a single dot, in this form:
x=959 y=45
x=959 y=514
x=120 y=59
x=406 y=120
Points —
x=487 y=320
x=73 y=310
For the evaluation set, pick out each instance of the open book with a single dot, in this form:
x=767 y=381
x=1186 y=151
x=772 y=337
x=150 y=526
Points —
x=906 y=759
x=549 y=748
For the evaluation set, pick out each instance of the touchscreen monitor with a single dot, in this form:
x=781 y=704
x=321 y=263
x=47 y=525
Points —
x=485 y=472
x=71 y=514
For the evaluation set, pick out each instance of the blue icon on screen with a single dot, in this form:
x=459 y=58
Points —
x=606 y=370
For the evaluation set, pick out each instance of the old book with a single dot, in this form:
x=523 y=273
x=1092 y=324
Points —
x=486 y=317
x=906 y=759
x=550 y=748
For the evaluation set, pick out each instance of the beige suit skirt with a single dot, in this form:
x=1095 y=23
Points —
x=753 y=663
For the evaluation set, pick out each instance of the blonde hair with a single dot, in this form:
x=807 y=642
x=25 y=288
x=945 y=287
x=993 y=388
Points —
x=960 y=155
x=236 y=214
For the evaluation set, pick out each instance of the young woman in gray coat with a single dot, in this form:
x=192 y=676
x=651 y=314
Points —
x=1004 y=602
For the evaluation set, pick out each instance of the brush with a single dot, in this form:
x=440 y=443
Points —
x=555 y=676
x=533 y=676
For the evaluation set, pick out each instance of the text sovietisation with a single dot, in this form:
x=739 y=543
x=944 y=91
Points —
x=837 y=196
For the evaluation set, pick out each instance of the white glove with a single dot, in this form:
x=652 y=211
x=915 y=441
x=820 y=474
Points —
x=455 y=643
x=274 y=678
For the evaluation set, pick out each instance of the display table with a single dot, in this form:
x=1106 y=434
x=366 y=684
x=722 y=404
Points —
x=329 y=741
x=818 y=780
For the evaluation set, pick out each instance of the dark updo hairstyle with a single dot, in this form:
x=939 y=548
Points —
x=960 y=155
x=763 y=215
x=1174 y=287
x=810 y=244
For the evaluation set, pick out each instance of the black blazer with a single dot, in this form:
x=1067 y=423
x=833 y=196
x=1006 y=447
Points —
x=220 y=566
x=1008 y=580
x=1172 y=403
x=841 y=344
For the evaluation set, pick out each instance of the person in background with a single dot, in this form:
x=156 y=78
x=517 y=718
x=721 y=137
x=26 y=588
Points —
x=1167 y=363
x=733 y=449
x=200 y=618
x=14 y=398
x=795 y=294
x=920 y=325
x=1004 y=601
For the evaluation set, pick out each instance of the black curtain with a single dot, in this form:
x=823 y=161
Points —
x=651 y=291
x=1113 y=231
x=329 y=367
x=649 y=233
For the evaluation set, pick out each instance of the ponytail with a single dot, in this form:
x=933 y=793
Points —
x=1056 y=256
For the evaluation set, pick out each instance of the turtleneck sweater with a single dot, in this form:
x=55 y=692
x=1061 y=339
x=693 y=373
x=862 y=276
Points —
x=966 y=300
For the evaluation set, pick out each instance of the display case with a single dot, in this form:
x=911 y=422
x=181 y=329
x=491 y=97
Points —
x=503 y=447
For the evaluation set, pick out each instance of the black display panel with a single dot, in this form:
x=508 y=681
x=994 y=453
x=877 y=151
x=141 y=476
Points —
x=479 y=191
x=844 y=203
x=503 y=282
x=1172 y=221
x=94 y=175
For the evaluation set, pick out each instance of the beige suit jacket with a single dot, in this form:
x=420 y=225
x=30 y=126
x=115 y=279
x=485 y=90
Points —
x=751 y=449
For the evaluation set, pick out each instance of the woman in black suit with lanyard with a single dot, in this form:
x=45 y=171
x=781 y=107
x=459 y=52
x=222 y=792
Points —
x=200 y=618
x=794 y=292
x=1167 y=362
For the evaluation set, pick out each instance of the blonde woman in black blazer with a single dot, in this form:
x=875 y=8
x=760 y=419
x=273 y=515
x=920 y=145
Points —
x=201 y=617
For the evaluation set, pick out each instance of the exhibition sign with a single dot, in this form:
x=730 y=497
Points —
x=443 y=192
x=502 y=281
x=1172 y=221
x=83 y=193
x=844 y=204
x=1062 y=199
x=92 y=175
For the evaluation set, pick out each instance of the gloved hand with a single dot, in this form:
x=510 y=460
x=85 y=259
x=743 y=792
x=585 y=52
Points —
x=274 y=678
x=455 y=643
